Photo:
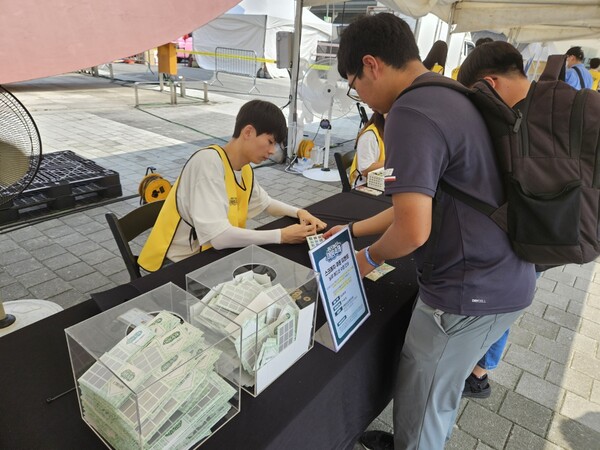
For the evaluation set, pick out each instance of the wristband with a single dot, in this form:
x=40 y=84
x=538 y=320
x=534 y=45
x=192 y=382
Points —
x=351 y=229
x=369 y=259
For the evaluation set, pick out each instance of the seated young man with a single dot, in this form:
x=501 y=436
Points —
x=217 y=191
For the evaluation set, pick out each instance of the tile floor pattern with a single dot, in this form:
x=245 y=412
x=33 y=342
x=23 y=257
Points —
x=546 y=391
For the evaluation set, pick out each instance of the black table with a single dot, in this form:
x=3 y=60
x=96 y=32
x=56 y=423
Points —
x=323 y=402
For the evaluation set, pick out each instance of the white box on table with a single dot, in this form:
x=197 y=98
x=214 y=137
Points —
x=272 y=299
x=149 y=378
x=376 y=178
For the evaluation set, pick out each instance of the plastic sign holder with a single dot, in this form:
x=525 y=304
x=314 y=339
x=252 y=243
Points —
x=341 y=288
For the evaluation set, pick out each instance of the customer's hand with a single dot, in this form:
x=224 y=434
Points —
x=333 y=230
x=307 y=218
x=296 y=234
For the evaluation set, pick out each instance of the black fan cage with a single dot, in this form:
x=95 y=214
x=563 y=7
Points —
x=20 y=147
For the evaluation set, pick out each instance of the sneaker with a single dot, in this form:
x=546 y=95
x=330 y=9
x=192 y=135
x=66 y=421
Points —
x=377 y=440
x=477 y=387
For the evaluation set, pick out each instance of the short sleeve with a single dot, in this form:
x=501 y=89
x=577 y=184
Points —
x=416 y=150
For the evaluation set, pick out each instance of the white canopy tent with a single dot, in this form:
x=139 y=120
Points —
x=253 y=25
x=523 y=21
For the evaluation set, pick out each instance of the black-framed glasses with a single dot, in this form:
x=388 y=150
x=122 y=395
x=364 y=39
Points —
x=351 y=91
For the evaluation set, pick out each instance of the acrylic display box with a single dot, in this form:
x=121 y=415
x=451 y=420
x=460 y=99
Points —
x=150 y=376
x=274 y=302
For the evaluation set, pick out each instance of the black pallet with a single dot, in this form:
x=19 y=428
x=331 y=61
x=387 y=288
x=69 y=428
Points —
x=64 y=180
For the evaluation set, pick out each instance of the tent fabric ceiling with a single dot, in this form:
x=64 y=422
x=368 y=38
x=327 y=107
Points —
x=525 y=20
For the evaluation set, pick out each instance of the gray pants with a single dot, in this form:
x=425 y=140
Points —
x=439 y=353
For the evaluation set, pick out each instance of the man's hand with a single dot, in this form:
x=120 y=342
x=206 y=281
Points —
x=307 y=218
x=296 y=234
x=333 y=230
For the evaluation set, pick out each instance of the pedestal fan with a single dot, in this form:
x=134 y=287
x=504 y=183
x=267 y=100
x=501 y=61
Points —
x=20 y=157
x=323 y=94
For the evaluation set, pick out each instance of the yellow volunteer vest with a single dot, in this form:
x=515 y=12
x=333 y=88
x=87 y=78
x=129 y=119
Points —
x=455 y=71
x=353 y=167
x=155 y=249
x=596 y=76
x=437 y=69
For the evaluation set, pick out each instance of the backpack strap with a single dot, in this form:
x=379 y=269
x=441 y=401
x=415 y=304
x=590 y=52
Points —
x=555 y=68
x=437 y=81
x=580 y=76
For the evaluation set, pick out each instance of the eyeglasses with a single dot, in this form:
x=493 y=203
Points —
x=351 y=91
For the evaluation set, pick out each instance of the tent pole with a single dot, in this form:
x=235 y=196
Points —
x=293 y=114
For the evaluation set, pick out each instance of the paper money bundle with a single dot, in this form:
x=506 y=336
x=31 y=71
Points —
x=157 y=388
x=265 y=312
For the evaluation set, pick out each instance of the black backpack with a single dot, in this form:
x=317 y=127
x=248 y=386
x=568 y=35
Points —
x=548 y=152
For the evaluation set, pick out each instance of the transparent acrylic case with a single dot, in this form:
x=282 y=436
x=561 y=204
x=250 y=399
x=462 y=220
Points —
x=272 y=299
x=148 y=376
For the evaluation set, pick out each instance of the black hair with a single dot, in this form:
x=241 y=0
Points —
x=493 y=58
x=437 y=54
x=382 y=35
x=594 y=63
x=483 y=40
x=265 y=117
x=376 y=119
x=577 y=52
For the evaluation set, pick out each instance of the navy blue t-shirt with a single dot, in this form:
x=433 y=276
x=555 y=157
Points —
x=433 y=133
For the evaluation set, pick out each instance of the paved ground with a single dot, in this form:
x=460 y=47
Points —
x=546 y=392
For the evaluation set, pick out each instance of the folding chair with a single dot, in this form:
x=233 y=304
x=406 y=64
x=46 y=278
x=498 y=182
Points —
x=343 y=162
x=128 y=228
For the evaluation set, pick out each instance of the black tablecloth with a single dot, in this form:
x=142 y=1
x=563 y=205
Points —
x=323 y=402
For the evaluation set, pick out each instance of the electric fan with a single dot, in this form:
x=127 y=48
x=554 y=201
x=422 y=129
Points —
x=323 y=94
x=20 y=157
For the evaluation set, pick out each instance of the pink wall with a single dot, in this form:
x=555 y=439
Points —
x=49 y=37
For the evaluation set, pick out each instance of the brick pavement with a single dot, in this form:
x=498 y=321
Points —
x=546 y=391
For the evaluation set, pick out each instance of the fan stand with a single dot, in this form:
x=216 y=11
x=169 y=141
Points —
x=20 y=313
x=5 y=319
x=325 y=173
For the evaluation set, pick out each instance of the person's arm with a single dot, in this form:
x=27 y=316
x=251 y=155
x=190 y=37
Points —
x=234 y=237
x=409 y=230
x=372 y=167
x=376 y=224
x=277 y=208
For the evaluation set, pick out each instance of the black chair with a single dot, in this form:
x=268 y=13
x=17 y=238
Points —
x=128 y=228
x=343 y=162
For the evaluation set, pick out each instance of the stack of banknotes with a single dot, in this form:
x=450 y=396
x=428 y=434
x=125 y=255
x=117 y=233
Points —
x=157 y=388
x=266 y=314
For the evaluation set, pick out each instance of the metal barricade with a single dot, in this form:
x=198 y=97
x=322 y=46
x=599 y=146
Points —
x=235 y=61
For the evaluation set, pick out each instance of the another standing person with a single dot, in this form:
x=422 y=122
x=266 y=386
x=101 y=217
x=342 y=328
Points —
x=370 y=151
x=478 y=286
x=436 y=58
x=217 y=191
x=595 y=72
x=577 y=75
x=501 y=65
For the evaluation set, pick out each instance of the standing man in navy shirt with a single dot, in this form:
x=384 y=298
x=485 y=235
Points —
x=478 y=286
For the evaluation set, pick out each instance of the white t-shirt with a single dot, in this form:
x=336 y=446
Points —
x=202 y=201
x=367 y=153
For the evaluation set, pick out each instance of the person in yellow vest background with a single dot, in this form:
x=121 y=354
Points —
x=217 y=191
x=435 y=60
x=594 y=70
x=478 y=42
x=370 y=151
